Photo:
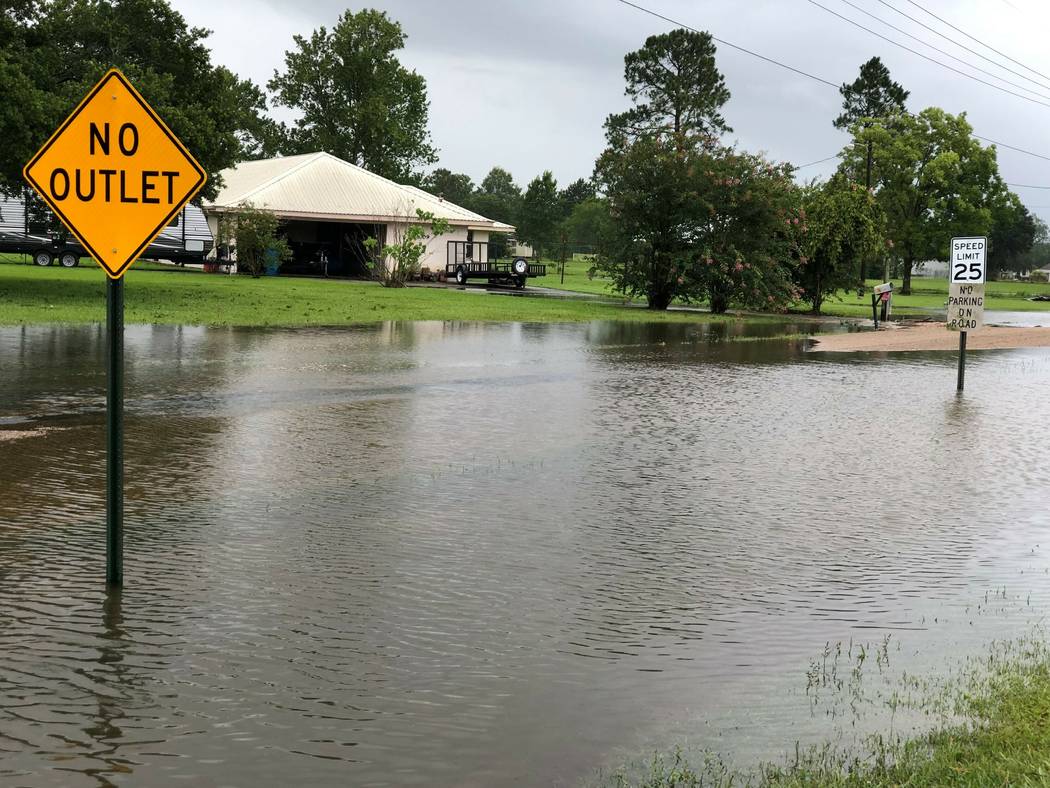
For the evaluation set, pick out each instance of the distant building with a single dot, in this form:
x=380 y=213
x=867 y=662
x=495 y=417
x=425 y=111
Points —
x=932 y=268
x=329 y=205
x=1040 y=274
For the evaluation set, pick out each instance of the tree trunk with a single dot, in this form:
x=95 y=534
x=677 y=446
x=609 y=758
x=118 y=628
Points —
x=719 y=303
x=659 y=301
x=906 y=289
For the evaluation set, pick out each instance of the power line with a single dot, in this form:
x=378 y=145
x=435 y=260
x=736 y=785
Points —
x=818 y=161
x=1011 y=147
x=823 y=81
x=1011 y=185
x=948 y=54
x=927 y=57
x=728 y=44
x=974 y=38
x=952 y=41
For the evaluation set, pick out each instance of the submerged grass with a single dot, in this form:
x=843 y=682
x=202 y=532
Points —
x=990 y=726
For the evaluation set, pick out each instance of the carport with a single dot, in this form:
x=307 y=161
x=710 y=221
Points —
x=329 y=207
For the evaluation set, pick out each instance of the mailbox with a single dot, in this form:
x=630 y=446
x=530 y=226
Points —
x=881 y=294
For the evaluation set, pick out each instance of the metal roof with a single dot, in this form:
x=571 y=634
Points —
x=323 y=187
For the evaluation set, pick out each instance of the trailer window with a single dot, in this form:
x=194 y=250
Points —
x=175 y=220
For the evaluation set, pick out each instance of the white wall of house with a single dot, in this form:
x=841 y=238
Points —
x=213 y=225
x=437 y=248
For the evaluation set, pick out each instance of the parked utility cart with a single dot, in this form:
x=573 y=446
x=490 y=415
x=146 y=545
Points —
x=470 y=260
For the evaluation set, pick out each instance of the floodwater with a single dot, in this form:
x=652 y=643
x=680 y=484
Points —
x=484 y=555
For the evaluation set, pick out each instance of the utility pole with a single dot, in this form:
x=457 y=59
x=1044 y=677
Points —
x=867 y=186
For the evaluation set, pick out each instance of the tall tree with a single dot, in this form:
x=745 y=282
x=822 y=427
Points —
x=1013 y=234
x=674 y=86
x=589 y=226
x=698 y=223
x=499 y=198
x=452 y=186
x=218 y=115
x=873 y=94
x=933 y=179
x=540 y=213
x=355 y=99
x=694 y=220
x=577 y=192
x=1039 y=254
x=500 y=183
x=843 y=224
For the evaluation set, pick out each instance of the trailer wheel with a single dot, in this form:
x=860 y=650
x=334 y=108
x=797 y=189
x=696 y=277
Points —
x=69 y=260
x=43 y=258
x=461 y=275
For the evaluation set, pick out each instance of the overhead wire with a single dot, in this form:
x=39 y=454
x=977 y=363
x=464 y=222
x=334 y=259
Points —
x=818 y=161
x=952 y=41
x=974 y=38
x=729 y=44
x=821 y=80
x=946 y=53
x=927 y=57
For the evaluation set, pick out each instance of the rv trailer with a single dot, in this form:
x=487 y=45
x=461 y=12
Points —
x=29 y=227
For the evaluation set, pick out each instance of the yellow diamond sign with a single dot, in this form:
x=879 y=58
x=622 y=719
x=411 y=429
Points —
x=114 y=173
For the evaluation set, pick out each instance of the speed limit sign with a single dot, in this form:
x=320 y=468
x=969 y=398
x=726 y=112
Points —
x=967 y=262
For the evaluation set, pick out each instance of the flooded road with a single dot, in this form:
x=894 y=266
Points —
x=482 y=555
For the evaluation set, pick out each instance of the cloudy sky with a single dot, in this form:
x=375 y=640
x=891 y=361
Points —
x=526 y=84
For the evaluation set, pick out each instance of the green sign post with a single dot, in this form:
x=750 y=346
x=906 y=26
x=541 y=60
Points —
x=116 y=176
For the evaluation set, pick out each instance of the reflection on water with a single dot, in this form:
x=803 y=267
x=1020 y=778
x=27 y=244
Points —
x=461 y=554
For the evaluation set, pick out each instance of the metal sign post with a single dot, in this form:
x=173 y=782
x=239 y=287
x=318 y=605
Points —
x=966 y=273
x=116 y=176
x=115 y=432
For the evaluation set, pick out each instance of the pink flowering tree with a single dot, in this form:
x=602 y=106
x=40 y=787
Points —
x=844 y=225
x=694 y=220
x=750 y=239
x=700 y=222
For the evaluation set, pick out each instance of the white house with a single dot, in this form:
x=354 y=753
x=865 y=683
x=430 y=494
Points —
x=330 y=205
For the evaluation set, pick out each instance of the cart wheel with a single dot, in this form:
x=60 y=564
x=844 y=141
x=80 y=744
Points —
x=69 y=260
x=461 y=276
x=43 y=258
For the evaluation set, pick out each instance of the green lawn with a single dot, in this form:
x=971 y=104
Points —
x=178 y=296
x=926 y=294
x=933 y=293
x=576 y=279
x=159 y=293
